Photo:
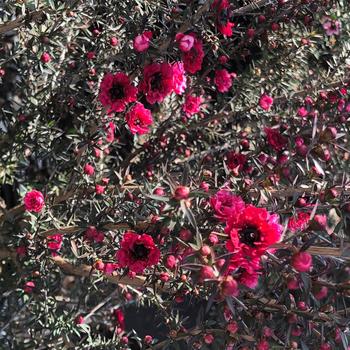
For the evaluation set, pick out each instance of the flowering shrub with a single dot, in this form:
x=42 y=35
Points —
x=175 y=174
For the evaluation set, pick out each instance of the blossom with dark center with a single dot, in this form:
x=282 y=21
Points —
x=116 y=92
x=254 y=231
x=158 y=81
x=223 y=14
x=137 y=252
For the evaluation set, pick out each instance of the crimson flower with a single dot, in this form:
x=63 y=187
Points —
x=158 y=81
x=54 y=242
x=116 y=92
x=192 y=105
x=138 y=119
x=193 y=58
x=34 y=201
x=277 y=141
x=265 y=102
x=253 y=232
x=223 y=17
x=223 y=80
x=226 y=205
x=137 y=252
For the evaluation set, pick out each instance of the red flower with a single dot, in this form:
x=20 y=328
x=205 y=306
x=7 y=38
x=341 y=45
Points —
x=138 y=119
x=302 y=262
x=93 y=235
x=192 y=105
x=158 y=81
x=141 y=42
x=236 y=162
x=137 y=252
x=299 y=222
x=116 y=92
x=194 y=57
x=265 y=102
x=226 y=205
x=252 y=232
x=34 y=201
x=223 y=17
x=223 y=80
x=179 y=77
x=54 y=242
x=275 y=139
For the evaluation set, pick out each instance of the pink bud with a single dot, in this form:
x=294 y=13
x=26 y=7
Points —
x=181 y=192
x=185 y=235
x=208 y=338
x=205 y=250
x=170 y=262
x=45 y=57
x=148 y=339
x=186 y=43
x=113 y=41
x=302 y=262
x=229 y=287
x=89 y=169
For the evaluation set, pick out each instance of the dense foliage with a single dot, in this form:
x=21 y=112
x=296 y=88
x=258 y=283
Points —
x=174 y=175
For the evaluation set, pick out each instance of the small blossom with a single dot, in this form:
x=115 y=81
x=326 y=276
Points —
x=142 y=41
x=139 y=119
x=302 y=262
x=265 y=102
x=223 y=80
x=34 y=201
x=192 y=105
x=185 y=42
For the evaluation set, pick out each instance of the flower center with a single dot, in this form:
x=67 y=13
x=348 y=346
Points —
x=156 y=82
x=116 y=92
x=140 y=252
x=249 y=236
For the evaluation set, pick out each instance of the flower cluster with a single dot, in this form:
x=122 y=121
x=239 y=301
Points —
x=251 y=232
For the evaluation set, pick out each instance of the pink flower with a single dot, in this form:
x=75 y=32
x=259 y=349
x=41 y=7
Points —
x=99 y=189
x=141 y=42
x=185 y=42
x=192 y=105
x=265 y=102
x=54 y=242
x=226 y=205
x=116 y=92
x=179 y=77
x=302 y=262
x=332 y=27
x=194 y=57
x=299 y=222
x=275 y=139
x=89 y=169
x=222 y=80
x=302 y=112
x=158 y=82
x=236 y=162
x=223 y=17
x=34 y=201
x=138 y=119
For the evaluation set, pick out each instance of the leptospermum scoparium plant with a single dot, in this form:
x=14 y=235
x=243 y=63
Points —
x=175 y=174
